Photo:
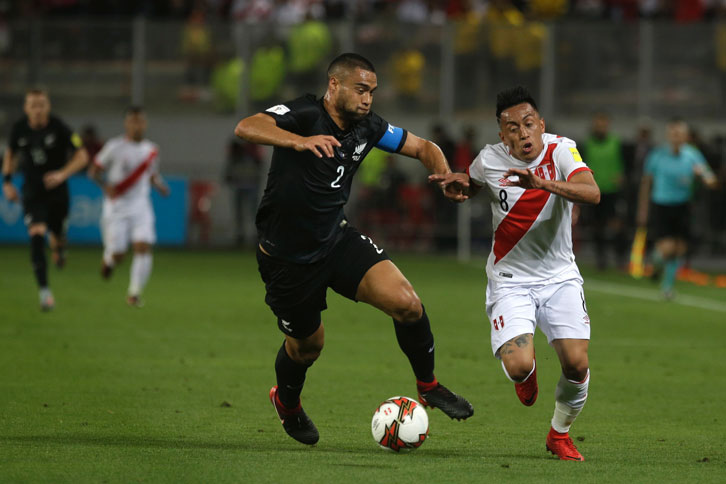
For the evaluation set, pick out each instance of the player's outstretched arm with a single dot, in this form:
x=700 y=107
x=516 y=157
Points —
x=431 y=156
x=427 y=152
x=456 y=186
x=77 y=162
x=262 y=129
x=9 y=190
x=581 y=188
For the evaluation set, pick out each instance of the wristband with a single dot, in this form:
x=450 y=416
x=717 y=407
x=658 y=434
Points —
x=7 y=178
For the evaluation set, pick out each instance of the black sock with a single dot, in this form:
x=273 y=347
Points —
x=290 y=378
x=37 y=257
x=417 y=343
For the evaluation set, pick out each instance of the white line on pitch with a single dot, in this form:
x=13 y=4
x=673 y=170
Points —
x=652 y=295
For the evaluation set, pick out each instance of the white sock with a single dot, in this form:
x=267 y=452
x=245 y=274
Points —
x=534 y=365
x=570 y=397
x=140 y=272
x=108 y=257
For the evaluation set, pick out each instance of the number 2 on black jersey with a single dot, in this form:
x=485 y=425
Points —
x=336 y=183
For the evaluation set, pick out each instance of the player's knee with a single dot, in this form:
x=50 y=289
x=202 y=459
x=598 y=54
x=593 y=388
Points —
x=667 y=248
x=307 y=353
x=576 y=370
x=310 y=357
x=407 y=307
x=518 y=370
x=142 y=248
x=39 y=229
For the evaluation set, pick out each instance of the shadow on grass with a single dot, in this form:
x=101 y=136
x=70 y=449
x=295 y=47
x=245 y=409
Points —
x=267 y=447
x=142 y=442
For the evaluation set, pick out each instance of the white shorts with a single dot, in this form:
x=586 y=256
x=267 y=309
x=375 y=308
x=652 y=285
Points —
x=558 y=309
x=120 y=229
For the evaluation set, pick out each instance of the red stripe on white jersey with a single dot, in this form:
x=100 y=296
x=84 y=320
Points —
x=584 y=168
x=134 y=176
x=521 y=216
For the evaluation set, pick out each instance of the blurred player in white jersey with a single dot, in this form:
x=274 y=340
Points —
x=533 y=178
x=130 y=164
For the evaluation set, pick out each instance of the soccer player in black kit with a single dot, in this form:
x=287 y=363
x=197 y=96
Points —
x=307 y=245
x=48 y=153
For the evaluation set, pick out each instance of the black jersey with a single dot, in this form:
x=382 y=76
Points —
x=42 y=150
x=301 y=213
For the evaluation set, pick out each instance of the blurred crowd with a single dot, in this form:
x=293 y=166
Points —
x=419 y=11
x=390 y=204
x=404 y=212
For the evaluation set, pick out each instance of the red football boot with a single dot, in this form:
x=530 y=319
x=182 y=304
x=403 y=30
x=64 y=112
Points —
x=561 y=445
x=528 y=390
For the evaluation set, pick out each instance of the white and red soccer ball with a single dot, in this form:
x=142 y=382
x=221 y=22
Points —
x=400 y=423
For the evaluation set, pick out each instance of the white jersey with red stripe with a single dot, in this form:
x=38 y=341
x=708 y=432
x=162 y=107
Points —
x=532 y=240
x=129 y=165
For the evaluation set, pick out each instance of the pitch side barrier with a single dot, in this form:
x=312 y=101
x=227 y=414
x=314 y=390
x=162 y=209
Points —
x=85 y=213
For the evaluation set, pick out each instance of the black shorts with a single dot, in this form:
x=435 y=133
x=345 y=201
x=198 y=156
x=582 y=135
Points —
x=296 y=292
x=48 y=208
x=670 y=221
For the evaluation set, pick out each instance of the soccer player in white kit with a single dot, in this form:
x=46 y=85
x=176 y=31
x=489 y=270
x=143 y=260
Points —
x=533 y=178
x=131 y=166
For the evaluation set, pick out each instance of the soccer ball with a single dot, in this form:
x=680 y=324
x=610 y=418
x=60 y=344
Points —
x=400 y=423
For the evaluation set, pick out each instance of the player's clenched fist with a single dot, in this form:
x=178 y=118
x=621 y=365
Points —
x=320 y=145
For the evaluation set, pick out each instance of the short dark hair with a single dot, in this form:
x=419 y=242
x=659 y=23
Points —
x=349 y=61
x=512 y=97
x=37 y=91
x=134 y=109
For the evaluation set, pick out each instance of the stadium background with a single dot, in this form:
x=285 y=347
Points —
x=199 y=66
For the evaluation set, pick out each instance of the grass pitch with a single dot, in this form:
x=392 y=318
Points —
x=96 y=391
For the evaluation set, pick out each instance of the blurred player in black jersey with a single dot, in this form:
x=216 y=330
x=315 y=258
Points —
x=48 y=152
x=307 y=245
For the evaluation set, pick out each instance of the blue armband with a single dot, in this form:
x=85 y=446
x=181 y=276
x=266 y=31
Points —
x=392 y=140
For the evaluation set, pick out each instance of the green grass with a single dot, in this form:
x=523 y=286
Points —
x=96 y=391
